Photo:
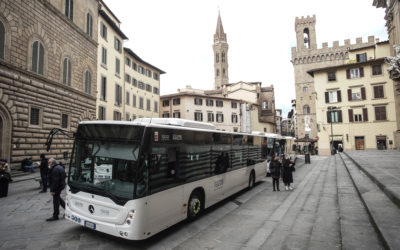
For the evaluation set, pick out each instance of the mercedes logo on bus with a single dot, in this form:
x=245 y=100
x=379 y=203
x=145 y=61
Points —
x=91 y=209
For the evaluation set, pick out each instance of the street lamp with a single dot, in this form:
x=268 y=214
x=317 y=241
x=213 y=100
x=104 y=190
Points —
x=331 y=109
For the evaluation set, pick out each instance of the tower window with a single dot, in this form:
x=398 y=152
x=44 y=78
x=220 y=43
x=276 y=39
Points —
x=306 y=34
x=223 y=57
x=217 y=72
x=69 y=9
x=217 y=57
x=223 y=72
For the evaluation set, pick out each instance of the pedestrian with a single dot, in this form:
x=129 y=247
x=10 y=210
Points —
x=57 y=184
x=44 y=170
x=287 y=169
x=27 y=165
x=5 y=179
x=275 y=169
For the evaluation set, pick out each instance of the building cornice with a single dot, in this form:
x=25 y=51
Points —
x=344 y=66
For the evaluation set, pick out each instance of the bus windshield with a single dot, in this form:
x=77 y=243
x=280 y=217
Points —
x=109 y=168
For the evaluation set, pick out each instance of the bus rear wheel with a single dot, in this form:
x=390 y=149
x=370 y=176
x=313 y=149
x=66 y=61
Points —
x=194 y=206
x=251 y=180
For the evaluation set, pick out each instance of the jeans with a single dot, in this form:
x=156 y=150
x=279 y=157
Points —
x=275 y=181
x=57 y=201
x=44 y=181
x=30 y=168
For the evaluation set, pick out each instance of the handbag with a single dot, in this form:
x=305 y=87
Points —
x=293 y=169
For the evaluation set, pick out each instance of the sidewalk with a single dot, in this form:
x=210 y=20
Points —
x=383 y=167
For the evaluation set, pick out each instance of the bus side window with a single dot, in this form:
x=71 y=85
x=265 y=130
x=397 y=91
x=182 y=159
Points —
x=173 y=163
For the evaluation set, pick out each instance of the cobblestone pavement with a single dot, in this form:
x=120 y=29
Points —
x=324 y=211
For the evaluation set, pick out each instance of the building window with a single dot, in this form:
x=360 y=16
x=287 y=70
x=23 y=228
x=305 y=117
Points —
x=148 y=72
x=216 y=57
x=333 y=96
x=234 y=118
x=141 y=85
x=219 y=103
x=217 y=73
x=2 y=40
x=305 y=89
x=134 y=66
x=102 y=113
x=198 y=101
x=89 y=24
x=148 y=107
x=127 y=98
x=127 y=117
x=88 y=82
x=210 y=117
x=103 y=89
x=66 y=72
x=148 y=88
x=134 y=101
x=133 y=116
x=34 y=116
x=127 y=78
x=117 y=44
x=177 y=114
x=358 y=115
x=141 y=70
x=165 y=115
x=380 y=113
x=306 y=109
x=69 y=9
x=223 y=72
x=118 y=95
x=234 y=105
x=156 y=106
x=117 y=116
x=331 y=76
x=378 y=91
x=141 y=104
x=128 y=61
x=134 y=82
x=334 y=116
x=361 y=57
x=376 y=70
x=220 y=118
x=155 y=76
x=37 y=58
x=355 y=94
x=223 y=57
x=198 y=116
x=354 y=73
x=155 y=90
x=165 y=103
x=64 y=121
x=176 y=101
x=104 y=56
x=265 y=105
x=117 y=64
x=209 y=102
x=103 y=30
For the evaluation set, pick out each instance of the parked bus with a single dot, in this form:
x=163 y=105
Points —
x=135 y=179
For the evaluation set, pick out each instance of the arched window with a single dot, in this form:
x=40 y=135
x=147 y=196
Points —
x=223 y=72
x=2 y=39
x=217 y=57
x=89 y=24
x=217 y=72
x=69 y=9
x=88 y=82
x=223 y=57
x=306 y=109
x=37 y=57
x=66 y=72
x=306 y=34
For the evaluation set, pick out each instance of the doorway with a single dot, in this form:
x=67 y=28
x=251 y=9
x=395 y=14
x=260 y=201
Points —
x=5 y=133
x=381 y=142
x=360 y=143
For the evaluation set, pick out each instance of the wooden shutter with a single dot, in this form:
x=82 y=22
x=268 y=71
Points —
x=326 y=97
x=363 y=95
x=328 y=116
x=350 y=115
x=339 y=96
x=361 y=72
x=348 y=73
x=340 y=115
x=365 y=114
x=349 y=94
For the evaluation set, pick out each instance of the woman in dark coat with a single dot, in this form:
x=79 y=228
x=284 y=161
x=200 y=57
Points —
x=275 y=169
x=5 y=178
x=287 y=169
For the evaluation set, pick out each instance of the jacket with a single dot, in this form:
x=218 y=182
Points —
x=44 y=167
x=57 y=177
x=275 y=169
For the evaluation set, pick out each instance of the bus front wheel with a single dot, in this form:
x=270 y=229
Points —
x=194 y=206
x=251 y=180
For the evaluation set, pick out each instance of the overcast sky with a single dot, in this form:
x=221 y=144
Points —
x=177 y=36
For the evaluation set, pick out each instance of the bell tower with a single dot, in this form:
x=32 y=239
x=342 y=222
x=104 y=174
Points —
x=220 y=48
x=305 y=33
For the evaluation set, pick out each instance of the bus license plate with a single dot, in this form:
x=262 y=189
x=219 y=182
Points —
x=90 y=225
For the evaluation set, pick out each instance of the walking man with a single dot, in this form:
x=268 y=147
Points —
x=57 y=184
x=44 y=170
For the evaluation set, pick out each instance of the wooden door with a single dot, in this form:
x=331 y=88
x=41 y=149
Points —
x=360 y=143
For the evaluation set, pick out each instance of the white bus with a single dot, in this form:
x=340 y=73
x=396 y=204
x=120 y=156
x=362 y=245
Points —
x=135 y=179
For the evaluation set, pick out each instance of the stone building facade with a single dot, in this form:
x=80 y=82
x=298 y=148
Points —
x=48 y=58
x=307 y=56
